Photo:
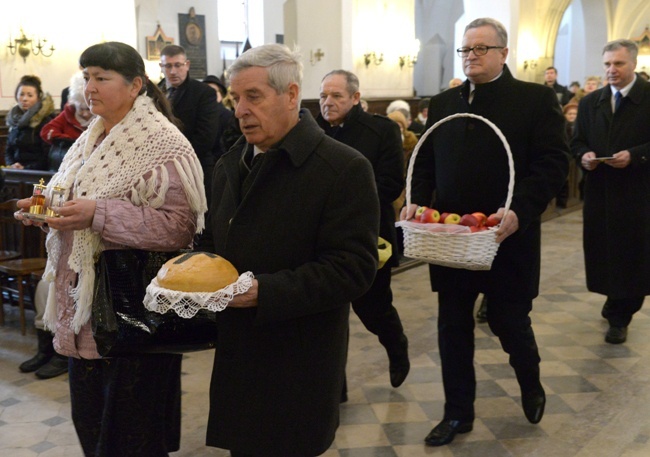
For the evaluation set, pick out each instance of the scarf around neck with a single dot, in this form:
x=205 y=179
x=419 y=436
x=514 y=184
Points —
x=128 y=164
x=16 y=117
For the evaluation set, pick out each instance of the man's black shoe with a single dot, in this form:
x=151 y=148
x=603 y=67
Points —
x=398 y=362
x=533 y=404
x=616 y=335
x=445 y=432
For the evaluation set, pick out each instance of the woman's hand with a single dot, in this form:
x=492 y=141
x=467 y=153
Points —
x=17 y=165
x=75 y=214
x=23 y=207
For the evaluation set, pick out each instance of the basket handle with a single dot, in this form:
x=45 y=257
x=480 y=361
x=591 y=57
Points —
x=511 y=164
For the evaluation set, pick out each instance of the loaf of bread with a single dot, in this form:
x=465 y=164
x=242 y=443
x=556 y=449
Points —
x=197 y=272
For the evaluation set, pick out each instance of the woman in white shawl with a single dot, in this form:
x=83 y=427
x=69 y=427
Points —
x=133 y=181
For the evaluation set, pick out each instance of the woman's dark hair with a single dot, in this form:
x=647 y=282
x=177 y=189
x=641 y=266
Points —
x=32 y=81
x=126 y=61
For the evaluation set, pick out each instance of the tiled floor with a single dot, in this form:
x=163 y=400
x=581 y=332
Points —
x=598 y=394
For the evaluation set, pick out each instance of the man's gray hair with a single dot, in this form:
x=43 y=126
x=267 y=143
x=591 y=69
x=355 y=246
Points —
x=284 y=65
x=351 y=80
x=502 y=34
x=622 y=43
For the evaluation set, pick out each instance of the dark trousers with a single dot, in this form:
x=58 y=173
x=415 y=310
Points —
x=127 y=406
x=375 y=309
x=619 y=311
x=508 y=320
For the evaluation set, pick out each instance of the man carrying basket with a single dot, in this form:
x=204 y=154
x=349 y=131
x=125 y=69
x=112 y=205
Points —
x=462 y=167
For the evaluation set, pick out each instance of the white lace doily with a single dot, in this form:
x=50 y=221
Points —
x=187 y=304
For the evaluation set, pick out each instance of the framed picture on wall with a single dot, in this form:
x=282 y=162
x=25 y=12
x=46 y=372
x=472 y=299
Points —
x=156 y=42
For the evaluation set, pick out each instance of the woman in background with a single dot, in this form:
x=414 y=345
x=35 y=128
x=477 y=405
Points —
x=25 y=148
x=64 y=129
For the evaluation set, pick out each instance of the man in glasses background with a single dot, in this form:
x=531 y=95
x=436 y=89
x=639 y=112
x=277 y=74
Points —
x=194 y=104
x=462 y=168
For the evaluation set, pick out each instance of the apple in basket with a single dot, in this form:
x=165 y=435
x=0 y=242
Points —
x=449 y=218
x=419 y=211
x=429 y=216
x=480 y=217
x=492 y=220
x=468 y=220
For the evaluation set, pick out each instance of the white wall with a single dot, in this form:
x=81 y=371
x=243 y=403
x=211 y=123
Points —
x=71 y=29
x=165 y=12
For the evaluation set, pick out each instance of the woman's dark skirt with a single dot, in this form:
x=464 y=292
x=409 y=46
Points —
x=127 y=406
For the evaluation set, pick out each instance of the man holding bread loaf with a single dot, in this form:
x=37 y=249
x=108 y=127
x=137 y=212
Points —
x=300 y=211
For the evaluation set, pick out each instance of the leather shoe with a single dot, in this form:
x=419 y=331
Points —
x=533 y=404
x=445 y=432
x=398 y=362
x=616 y=335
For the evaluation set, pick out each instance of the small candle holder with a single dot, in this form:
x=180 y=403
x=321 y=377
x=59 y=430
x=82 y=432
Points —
x=57 y=199
x=38 y=209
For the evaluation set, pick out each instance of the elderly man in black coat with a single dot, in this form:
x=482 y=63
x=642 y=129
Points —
x=612 y=143
x=378 y=138
x=462 y=168
x=282 y=209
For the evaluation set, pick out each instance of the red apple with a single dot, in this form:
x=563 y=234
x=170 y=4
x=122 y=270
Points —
x=452 y=218
x=443 y=216
x=419 y=211
x=468 y=220
x=480 y=217
x=430 y=215
x=492 y=220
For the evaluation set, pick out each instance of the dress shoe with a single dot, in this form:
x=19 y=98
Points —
x=616 y=335
x=445 y=432
x=398 y=362
x=481 y=314
x=533 y=404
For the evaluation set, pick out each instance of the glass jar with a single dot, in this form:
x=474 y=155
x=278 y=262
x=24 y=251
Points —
x=37 y=205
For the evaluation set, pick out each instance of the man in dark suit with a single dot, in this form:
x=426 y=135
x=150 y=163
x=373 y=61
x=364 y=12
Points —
x=612 y=143
x=194 y=103
x=300 y=211
x=379 y=140
x=550 y=79
x=463 y=168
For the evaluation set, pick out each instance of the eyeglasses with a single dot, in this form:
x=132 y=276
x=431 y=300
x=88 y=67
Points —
x=478 y=50
x=169 y=66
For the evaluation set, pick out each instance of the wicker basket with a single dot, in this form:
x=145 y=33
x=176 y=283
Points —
x=471 y=251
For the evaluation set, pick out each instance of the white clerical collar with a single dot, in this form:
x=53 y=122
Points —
x=472 y=86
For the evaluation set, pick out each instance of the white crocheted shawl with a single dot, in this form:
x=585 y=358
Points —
x=138 y=146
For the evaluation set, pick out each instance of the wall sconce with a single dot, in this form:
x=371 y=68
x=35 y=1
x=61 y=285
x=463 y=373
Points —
x=26 y=45
x=532 y=64
x=408 y=61
x=315 y=56
x=371 y=57
x=411 y=58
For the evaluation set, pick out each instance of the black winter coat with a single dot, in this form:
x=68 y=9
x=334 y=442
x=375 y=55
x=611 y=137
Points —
x=465 y=164
x=25 y=146
x=379 y=140
x=617 y=201
x=307 y=229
